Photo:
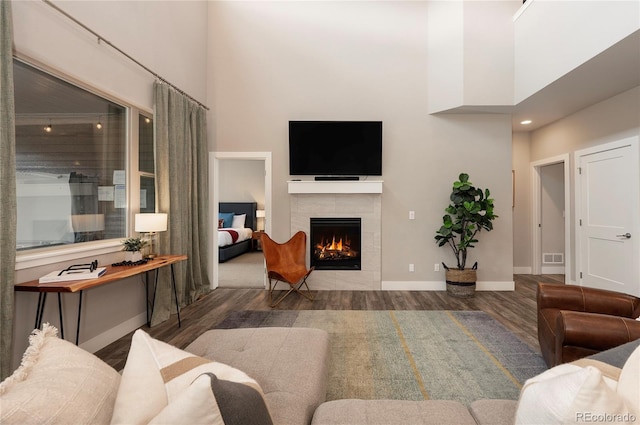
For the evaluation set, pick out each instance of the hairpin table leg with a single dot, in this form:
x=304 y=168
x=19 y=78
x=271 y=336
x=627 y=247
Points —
x=42 y=299
x=146 y=296
x=79 y=311
x=60 y=313
x=155 y=289
x=175 y=292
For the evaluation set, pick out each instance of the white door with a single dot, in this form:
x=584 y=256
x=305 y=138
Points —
x=608 y=215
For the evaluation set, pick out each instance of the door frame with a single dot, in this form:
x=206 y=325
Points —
x=536 y=213
x=214 y=195
x=633 y=142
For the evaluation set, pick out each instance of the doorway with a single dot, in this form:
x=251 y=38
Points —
x=552 y=229
x=551 y=214
x=216 y=165
x=607 y=205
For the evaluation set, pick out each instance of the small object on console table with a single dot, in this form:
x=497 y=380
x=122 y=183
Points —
x=75 y=272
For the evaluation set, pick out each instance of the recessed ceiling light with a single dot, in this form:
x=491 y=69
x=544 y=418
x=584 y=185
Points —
x=525 y=122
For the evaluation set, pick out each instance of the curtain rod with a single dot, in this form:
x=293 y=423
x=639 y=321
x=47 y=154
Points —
x=102 y=39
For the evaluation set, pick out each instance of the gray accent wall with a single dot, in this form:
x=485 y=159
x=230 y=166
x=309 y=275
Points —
x=273 y=62
x=522 y=203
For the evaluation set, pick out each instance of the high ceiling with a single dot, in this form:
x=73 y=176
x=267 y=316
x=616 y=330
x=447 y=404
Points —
x=39 y=96
x=612 y=72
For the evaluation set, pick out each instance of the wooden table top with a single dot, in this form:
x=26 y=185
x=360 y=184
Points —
x=112 y=274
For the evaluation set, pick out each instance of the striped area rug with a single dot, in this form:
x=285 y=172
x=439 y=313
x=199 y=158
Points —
x=412 y=355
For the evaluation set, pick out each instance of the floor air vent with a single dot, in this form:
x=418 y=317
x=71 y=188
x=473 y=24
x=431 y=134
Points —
x=553 y=258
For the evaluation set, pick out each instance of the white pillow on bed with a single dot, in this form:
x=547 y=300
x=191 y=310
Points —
x=238 y=221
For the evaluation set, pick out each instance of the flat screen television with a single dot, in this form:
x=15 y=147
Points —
x=335 y=148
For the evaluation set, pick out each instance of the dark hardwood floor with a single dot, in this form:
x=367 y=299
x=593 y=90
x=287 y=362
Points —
x=514 y=309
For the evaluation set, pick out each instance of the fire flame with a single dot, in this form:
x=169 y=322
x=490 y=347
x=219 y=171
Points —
x=335 y=245
x=336 y=248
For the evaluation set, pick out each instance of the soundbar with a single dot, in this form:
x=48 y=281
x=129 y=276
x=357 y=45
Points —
x=336 y=178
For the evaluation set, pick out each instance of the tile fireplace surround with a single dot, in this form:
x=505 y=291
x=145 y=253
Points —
x=367 y=206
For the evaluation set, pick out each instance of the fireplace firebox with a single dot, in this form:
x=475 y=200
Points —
x=335 y=243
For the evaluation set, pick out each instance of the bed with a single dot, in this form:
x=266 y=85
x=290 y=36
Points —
x=234 y=241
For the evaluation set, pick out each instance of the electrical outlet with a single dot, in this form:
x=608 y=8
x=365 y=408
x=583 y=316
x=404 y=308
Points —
x=411 y=268
x=412 y=215
x=436 y=267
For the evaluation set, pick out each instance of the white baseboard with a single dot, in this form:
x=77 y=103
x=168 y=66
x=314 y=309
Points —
x=102 y=340
x=507 y=285
x=412 y=285
x=522 y=270
x=417 y=285
x=552 y=270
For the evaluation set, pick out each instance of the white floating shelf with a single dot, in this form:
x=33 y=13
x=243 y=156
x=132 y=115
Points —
x=335 y=186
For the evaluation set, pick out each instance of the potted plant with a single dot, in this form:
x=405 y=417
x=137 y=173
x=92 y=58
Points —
x=133 y=248
x=470 y=211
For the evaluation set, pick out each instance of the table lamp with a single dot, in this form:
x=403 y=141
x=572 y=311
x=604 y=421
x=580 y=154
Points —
x=260 y=214
x=150 y=224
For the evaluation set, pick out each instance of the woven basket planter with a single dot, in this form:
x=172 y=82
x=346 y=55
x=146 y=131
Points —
x=461 y=283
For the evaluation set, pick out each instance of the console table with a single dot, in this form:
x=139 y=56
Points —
x=112 y=274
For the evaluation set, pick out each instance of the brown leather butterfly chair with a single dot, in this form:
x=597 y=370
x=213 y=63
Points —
x=286 y=263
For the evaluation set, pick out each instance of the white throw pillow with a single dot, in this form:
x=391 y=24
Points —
x=238 y=221
x=161 y=382
x=629 y=381
x=195 y=405
x=570 y=394
x=58 y=383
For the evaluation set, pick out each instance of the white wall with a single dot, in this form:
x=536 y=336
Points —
x=272 y=62
x=595 y=26
x=471 y=49
x=168 y=38
x=488 y=52
x=445 y=26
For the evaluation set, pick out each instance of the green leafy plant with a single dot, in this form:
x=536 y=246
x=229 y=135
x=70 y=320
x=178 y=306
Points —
x=133 y=244
x=470 y=211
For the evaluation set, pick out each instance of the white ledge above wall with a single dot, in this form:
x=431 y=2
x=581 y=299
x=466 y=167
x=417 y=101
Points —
x=336 y=186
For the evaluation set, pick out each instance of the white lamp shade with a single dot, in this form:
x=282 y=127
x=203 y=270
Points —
x=87 y=222
x=260 y=213
x=151 y=222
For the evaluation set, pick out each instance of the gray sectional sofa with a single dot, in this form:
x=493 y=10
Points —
x=59 y=383
x=290 y=364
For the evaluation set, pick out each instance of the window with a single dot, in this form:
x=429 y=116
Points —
x=71 y=162
x=146 y=165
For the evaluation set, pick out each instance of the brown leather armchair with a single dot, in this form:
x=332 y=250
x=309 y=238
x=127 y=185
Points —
x=575 y=322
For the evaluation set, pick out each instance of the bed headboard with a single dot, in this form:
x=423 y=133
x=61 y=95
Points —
x=248 y=208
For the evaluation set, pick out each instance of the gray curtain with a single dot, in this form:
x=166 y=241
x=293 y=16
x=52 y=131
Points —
x=181 y=180
x=7 y=189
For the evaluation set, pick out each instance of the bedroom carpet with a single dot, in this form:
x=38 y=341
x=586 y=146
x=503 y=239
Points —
x=244 y=271
x=412 y=355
